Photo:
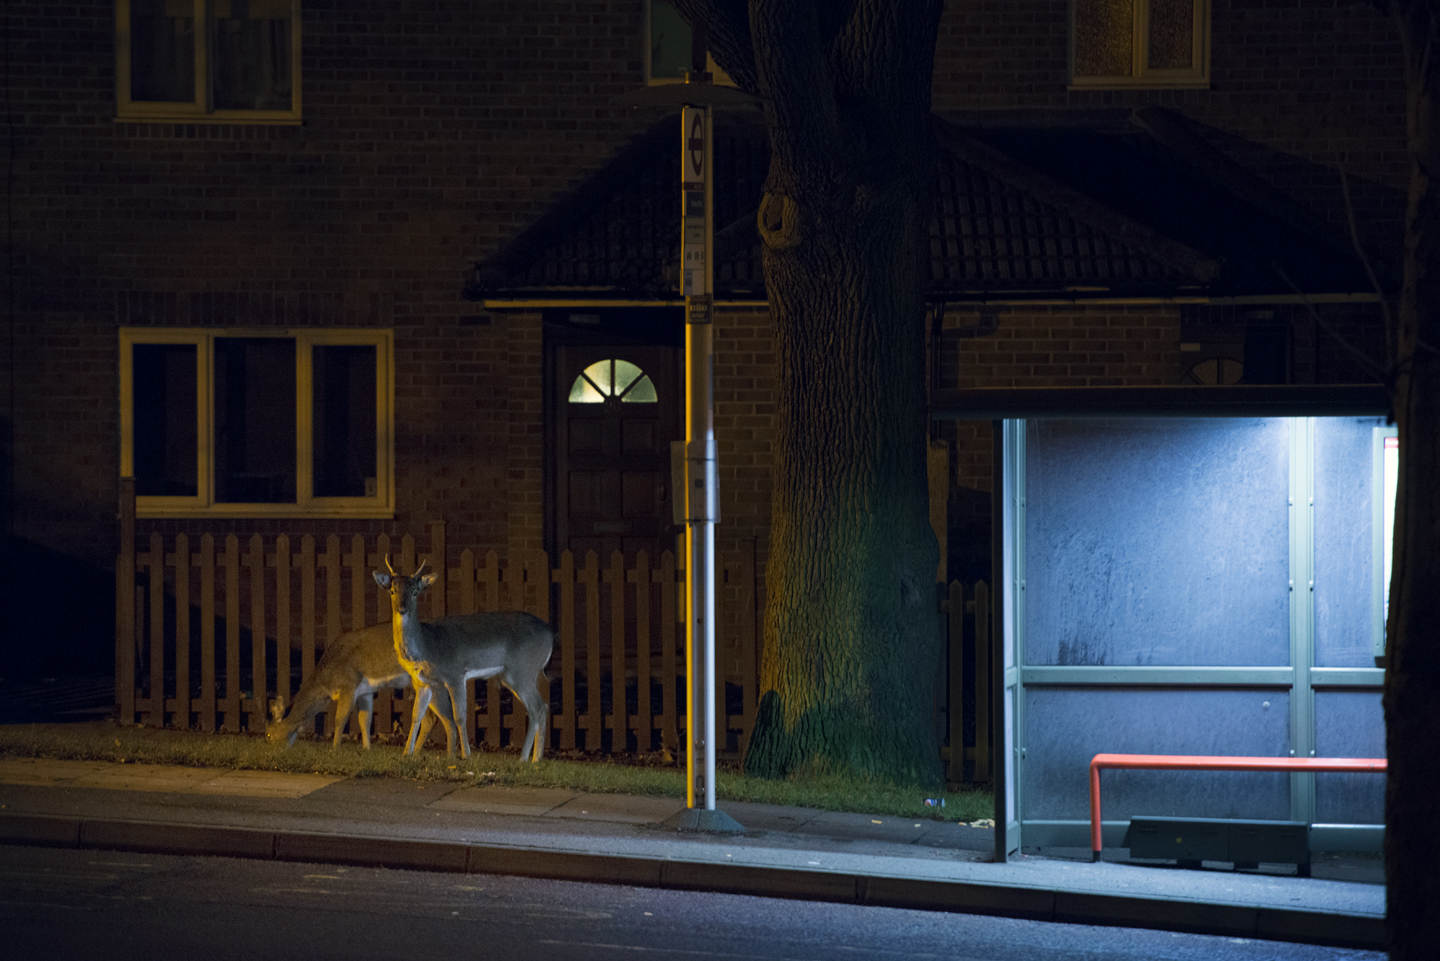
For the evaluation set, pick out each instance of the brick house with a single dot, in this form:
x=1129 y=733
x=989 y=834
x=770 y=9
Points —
x=414 y=209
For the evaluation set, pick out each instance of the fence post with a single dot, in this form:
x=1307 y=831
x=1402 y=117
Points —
x=156 y=564
x=232 y=634
x=643 y=721
x=593 y=723
x=618 y=718
x=359 y=579
x=182 y=632
x=565 y=576
x=307 y=606
x=282 y=619
x=208 y=704
x=125 y=639
x=258 y=689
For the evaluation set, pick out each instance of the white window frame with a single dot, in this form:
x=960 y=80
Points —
x=381 y=505
x=201 y=110
x=719 y=76
x=1196 y=77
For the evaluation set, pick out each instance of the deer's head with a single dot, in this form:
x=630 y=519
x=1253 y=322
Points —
x=404 y=589
x=275 y=730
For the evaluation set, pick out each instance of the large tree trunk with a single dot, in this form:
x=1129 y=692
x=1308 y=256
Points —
x=851 y=645
x=1412 y=683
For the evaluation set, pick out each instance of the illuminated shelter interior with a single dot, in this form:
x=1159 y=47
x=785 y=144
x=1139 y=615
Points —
x=1191 y=571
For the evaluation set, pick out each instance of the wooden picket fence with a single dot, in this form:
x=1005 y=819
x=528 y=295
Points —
x=211 y=630
x=258 y=611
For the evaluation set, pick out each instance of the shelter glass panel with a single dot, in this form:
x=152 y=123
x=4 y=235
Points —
x=1066 y=727
x=1349 y=724
x=1344 y=541
x=1157 y=542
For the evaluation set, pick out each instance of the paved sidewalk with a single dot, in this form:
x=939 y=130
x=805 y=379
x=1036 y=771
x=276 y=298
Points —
x=785 y=852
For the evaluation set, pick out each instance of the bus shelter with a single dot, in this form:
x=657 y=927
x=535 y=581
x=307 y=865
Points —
x=1187 y=571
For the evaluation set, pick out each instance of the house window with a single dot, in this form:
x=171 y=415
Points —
x=606 y=379
x=230 y=61
x=667 y=52
x=257 y=424
x=1139 y=43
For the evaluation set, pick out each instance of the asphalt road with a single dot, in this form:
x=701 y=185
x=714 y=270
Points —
x=61 y=904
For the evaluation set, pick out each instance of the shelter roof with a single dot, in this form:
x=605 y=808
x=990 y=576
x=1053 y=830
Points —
x=1078 y=207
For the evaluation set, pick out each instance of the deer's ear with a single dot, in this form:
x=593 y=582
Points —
x=277 y=709
x=382 y=579
x=430 y=578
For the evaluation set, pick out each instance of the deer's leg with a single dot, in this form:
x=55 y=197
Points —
x=422 y=702
x=537 y=713
x=427 y=723
x=365 y=705
x=344 y=701
x=425 y=719
x=440 y=710
x=460 y=711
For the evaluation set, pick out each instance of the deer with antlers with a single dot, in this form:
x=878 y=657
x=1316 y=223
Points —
x=443 y=654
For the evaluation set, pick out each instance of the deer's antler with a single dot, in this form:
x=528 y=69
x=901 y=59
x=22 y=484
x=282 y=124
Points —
x=388 y=567
x=419 y=569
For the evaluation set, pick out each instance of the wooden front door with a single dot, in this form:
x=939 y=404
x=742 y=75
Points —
x=615 y=410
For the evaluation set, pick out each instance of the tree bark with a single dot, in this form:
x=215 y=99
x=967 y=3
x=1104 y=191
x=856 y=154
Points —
x=1412 y=682
x=851 y=654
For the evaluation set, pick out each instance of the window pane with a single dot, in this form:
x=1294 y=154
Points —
x=1172 y=34
x=164 y=406
x=255 y=420
x=162 y=50
x=1104 y=38
x=669 y=41
x=625 y=375
x=584 y=392
x=642 y=393
x=252 y=54
x=600 y=374
x=344 y=420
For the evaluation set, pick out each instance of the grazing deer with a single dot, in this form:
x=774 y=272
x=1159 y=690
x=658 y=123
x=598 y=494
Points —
x=441 y=655
x=354 y=666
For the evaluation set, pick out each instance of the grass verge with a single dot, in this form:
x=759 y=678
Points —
x=645 y=775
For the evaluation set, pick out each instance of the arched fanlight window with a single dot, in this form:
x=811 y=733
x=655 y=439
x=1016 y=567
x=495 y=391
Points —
x=613 y=378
